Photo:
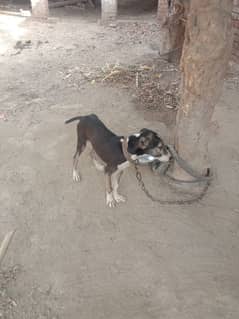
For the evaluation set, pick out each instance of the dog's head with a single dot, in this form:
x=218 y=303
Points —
x=148 y=142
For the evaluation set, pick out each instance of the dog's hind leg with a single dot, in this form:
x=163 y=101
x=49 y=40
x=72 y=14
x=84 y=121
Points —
x=75 y=174
x=115 y=185
x=81 y=143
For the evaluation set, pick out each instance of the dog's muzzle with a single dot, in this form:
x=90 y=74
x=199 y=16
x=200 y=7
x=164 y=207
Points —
x=144 y=158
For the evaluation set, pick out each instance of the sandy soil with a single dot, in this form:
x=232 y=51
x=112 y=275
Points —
x=71 y=256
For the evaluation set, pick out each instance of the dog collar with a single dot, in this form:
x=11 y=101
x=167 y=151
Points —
x=127 y=155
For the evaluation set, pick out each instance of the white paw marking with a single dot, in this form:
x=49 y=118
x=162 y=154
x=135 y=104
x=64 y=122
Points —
x=110 y=201
x=75 y=176
x=119 y=198
x=123 y=166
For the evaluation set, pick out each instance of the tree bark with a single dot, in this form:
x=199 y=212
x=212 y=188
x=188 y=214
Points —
x=206 y=52
x=40 y=8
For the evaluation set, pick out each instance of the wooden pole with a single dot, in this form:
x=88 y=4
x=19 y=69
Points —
x=40 y=8
x=172 y=20
x=109 y=9
x=162 y=10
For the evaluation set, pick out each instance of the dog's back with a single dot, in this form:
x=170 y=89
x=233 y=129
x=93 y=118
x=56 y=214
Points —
x=105 y=143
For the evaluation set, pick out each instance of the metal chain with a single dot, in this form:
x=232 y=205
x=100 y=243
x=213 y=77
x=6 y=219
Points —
x=165 y=201
x=207 y=179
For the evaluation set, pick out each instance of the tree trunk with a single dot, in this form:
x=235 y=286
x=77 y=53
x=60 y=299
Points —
x=206 y=52
x=40 y=8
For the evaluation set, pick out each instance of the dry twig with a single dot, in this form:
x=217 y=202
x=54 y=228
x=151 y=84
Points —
x=5 y=244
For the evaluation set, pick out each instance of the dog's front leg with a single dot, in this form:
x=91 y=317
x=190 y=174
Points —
x=115 y=185
x=110 y=201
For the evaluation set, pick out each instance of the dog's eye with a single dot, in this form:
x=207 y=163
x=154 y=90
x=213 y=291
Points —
x=144 y=142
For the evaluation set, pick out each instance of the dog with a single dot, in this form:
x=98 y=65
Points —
x=107 y=147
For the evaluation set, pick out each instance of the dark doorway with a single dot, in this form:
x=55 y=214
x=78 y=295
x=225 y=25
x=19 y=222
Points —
x=15 y=5
x=137 y=7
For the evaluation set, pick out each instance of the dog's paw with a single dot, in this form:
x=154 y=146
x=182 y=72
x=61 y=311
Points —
x=119 y=198
x=134 y=157
x=110 y=201
x=76 y=176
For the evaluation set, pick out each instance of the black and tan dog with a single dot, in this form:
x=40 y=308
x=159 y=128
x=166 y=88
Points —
x=108 y=148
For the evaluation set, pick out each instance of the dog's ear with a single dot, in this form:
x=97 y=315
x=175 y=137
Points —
x=143 y=130
x=149 y=132
x=132 y=144
x=157 y=136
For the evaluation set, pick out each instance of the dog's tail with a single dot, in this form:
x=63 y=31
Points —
x=73 y=119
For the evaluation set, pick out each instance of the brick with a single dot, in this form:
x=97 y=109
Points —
x=235 y=53
x=235 y=32
x=236 y=45
x=235 y=24
x=235 y=58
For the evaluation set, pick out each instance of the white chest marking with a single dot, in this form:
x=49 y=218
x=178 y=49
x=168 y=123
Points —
x=123 y=166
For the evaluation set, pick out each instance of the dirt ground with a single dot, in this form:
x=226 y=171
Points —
x=71 y=256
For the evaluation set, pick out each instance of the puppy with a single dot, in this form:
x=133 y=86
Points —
x=148 y=142
x=108 y=147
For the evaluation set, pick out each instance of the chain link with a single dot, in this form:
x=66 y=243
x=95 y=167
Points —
x=165 y=201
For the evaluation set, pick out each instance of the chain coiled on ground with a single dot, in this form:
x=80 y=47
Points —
x=206 y=179
x=192 y=200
